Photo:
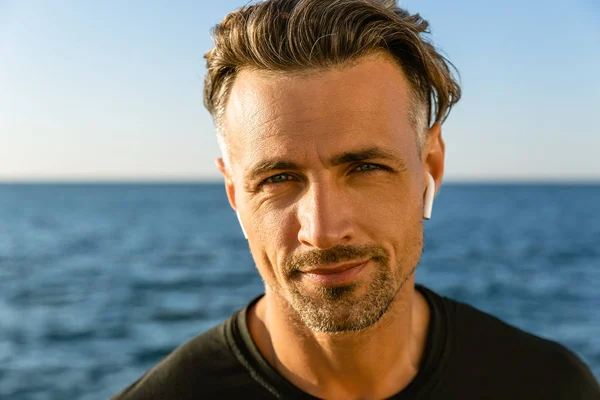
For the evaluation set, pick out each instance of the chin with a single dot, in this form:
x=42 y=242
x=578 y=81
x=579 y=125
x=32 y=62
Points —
x=345 y=308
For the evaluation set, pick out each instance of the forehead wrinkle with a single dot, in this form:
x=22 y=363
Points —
x=300 y=116
x=298 y=126
x=286 y=121
x=276 y=91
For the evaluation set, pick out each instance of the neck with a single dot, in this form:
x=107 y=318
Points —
x=377 y=362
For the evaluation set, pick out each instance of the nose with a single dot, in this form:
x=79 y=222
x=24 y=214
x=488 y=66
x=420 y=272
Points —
x=325 y=217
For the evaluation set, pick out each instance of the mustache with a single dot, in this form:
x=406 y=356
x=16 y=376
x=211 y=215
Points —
x=336 y=254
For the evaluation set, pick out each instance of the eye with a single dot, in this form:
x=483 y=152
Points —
x=279 y=178
x=367 y=167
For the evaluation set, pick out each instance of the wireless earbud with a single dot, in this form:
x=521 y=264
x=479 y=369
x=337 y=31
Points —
x=241 y=226
x=429 y=195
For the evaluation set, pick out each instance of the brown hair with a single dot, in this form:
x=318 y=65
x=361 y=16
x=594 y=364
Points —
x=305 y=35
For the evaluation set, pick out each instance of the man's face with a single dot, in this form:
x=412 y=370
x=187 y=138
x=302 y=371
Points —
x=326 y=176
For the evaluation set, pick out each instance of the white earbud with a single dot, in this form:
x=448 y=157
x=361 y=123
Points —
x=429 y=195
x=241 y=225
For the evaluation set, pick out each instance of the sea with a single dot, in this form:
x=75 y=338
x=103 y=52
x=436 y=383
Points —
x=98 y=282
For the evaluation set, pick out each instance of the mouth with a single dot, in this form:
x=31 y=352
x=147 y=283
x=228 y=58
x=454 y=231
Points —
x=335 y=275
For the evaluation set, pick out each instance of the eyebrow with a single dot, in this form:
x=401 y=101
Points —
x=364 y=154
x=348 y=157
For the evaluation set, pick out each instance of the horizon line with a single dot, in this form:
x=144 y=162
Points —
x=174 y=180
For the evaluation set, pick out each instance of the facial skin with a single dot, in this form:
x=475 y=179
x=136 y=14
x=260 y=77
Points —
x=325 y=173
x=325 y=170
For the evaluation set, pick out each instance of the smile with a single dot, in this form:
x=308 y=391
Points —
x=335 y=275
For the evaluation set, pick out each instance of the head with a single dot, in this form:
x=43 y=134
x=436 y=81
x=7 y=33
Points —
x=329 y=120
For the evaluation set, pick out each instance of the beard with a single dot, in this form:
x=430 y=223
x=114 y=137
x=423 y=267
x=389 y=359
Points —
x=341 y=309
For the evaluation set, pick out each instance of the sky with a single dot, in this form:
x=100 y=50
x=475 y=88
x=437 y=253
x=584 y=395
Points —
x=113 y=90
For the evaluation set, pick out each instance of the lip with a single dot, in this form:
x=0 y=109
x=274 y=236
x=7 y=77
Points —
x=336 y=275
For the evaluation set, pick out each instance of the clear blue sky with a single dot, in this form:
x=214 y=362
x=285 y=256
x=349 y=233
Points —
x=113 y=89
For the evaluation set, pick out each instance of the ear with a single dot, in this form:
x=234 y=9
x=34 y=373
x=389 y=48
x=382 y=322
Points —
x=433 y=156
x=229 y=187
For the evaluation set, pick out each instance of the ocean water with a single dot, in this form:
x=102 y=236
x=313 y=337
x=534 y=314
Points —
x=99 y=282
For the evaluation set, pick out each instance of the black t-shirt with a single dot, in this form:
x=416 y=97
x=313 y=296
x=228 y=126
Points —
x=468 y=355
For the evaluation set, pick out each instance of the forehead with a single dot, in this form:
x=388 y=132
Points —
x=364 y=104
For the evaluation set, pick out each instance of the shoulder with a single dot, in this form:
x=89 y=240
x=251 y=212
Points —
x=204 y=366
x=498 y=354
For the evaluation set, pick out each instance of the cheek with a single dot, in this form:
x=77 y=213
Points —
x=272 y=226
x=391 y=210
x=272 y=239
x=394 y=221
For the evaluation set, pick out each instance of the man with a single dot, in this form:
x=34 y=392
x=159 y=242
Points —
x=329 y=118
